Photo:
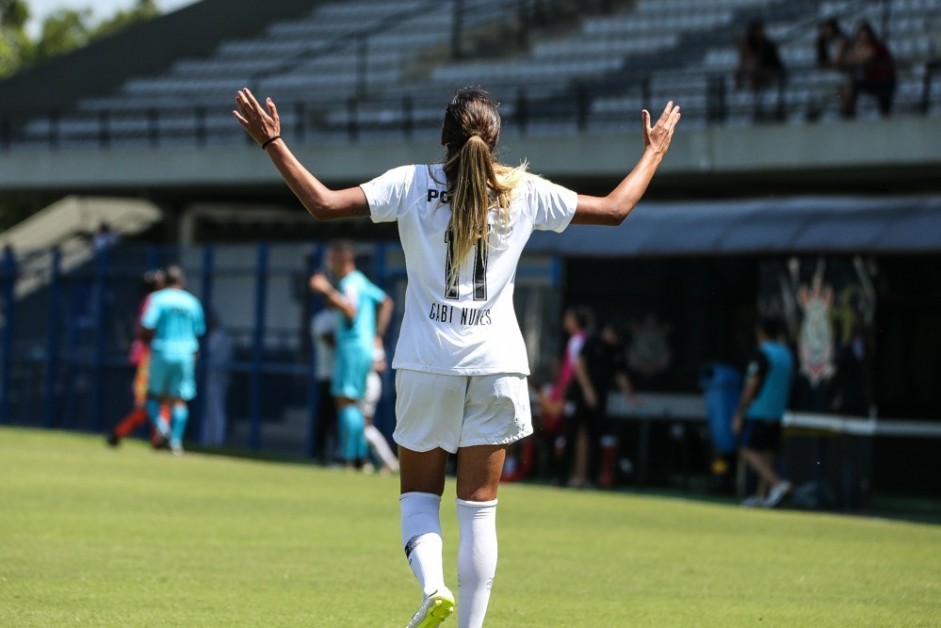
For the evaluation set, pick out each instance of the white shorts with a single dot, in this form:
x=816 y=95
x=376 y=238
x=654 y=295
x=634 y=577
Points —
x=454 y=411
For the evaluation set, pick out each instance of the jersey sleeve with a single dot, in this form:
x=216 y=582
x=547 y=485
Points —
x=388 y=193
x=374 y=292
x=200 y=320
x=552 y=205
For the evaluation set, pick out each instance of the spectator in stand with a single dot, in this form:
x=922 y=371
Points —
x=761 y=410
x=933 y=29
x=832 y=45
x=872 y=71
x=760 y=68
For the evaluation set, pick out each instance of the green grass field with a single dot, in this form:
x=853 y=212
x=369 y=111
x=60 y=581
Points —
x=91 y=536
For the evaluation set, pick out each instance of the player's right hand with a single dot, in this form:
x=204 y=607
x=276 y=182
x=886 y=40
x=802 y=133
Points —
x=320 y=284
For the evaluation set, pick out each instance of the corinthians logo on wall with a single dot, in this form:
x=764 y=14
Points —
x=829 y=305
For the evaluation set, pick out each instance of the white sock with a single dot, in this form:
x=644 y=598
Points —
x=476 y=560
x=421 y=538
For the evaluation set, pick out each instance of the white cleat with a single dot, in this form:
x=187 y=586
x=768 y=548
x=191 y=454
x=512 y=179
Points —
x=434 y=609
x=778 y=492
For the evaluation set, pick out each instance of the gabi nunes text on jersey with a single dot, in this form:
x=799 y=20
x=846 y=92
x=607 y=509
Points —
x=452 y=314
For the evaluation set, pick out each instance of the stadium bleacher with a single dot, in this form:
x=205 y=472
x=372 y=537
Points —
x=384 y=66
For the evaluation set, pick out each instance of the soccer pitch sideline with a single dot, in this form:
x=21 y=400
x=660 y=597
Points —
x=91 y=536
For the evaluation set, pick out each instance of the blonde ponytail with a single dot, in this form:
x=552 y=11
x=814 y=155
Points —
x=479 y=185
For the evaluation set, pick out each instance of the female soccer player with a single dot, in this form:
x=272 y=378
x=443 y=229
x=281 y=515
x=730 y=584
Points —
x=460 y=360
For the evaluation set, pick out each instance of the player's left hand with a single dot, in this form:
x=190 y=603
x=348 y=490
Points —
x=258 y=122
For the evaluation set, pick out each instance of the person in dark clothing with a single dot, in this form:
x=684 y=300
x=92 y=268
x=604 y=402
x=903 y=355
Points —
x=601 y=366
x=832 y=45
x=760 y=68
x=761 y=410
x=872 y=71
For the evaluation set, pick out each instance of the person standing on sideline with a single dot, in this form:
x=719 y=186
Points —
x=761 y=410
x=322 y=329
x=553 y=405
x=172 y=322
x=460 y=359
x=358 y=331
x=139 y=357
x=577 y=322
x=601 y=365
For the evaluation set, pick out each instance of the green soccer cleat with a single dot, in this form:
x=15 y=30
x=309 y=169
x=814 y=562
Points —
x=434 y=610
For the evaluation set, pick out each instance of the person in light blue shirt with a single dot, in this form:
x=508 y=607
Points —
x=359 y=330
x=761 y=410
x=173 y=322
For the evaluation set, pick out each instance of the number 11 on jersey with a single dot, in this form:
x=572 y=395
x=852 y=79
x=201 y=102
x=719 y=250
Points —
x=452 y=281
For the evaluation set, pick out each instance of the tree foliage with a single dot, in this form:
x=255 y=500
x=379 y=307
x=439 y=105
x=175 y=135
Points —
x=13 y=13
x=60 y=32
x=15 y=46
x=63 y=30
x=143 y=10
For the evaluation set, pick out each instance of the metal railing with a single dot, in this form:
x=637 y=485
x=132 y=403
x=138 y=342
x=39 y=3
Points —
x=576 y=105
x=709 y=99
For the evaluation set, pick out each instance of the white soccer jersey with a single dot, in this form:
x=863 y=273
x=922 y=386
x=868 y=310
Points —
x=469 y=328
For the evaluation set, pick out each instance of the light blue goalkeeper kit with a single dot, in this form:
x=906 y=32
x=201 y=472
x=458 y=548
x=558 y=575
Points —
x=355 y=339
x=176 y=319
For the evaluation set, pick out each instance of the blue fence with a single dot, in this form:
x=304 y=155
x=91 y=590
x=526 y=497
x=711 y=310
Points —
x=66 y=333
x=67 y=320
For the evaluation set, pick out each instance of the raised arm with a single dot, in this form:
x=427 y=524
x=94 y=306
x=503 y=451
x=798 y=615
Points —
x=334 y=298
x=320 y=201
x=615 y=207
